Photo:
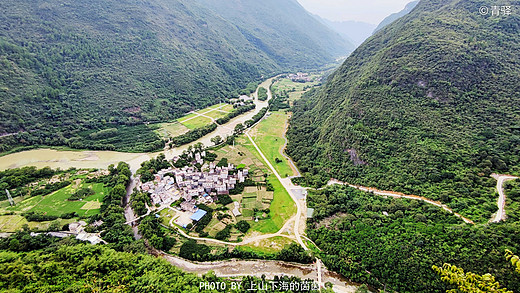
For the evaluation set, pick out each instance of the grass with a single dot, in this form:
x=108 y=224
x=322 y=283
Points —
x=267 y=246
x=13 y=223
x=196 y=122
x=269 y=136
x=56 y=204
x=166 y=216
x=282 y=207
x=170 y=129
x=294 y=89
x=216 y=114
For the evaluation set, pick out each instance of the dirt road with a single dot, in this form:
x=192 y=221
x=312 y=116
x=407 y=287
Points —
x=501 y=202
x=402 y=195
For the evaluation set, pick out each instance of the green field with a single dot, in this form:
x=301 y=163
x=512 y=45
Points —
x=288 y=85
x=216 y=114
x=295 y=90
x=56 y=204
x=170 y=129
x=282 y=207
x=269 y=136
x=267 y=246
x=196 y=122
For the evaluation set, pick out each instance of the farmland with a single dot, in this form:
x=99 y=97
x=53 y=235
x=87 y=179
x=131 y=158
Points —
x=269 y=135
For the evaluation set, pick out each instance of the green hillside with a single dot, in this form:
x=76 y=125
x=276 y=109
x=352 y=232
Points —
x=284 y=30
x=72 y=68
x=429 y=105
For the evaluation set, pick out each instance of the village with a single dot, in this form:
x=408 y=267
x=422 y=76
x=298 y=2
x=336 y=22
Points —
x=183 y=189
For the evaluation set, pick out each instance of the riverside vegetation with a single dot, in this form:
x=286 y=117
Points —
x=89 y=75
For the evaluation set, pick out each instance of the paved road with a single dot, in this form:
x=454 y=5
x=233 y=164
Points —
x=501 y=213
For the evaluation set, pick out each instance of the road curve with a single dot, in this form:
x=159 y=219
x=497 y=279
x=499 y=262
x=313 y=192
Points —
x=501 y=202
x=402 y=195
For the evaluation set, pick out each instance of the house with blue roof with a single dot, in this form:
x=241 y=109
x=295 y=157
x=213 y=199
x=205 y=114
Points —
x=198 y=215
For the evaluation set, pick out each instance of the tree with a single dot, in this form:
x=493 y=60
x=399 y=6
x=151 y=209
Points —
x=216 y=140
x=515 y=260
x=468 y=282
x=239 y=128
x=243 y=226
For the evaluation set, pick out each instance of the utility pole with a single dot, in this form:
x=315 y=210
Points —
x=11 y=201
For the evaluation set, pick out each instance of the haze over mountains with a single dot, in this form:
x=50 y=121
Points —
x=431 y=99
x=73 y=65
x=395 y=16
x=430 y=106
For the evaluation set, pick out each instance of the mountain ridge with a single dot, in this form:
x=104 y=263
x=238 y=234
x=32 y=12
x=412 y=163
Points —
x=72 y=66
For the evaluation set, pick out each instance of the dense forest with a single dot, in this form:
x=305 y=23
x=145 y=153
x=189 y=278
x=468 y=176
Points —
x=69 y=70
x=52 y=265
x=429 y=105
x=393 y=243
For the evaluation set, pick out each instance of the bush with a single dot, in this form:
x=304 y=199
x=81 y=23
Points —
x=243 y=226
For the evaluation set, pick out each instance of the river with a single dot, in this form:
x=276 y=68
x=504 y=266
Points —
x=102 y=159
x=257 y=268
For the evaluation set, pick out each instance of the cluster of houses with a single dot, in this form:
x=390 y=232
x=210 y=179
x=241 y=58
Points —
x=193 y=186
x=299 y=77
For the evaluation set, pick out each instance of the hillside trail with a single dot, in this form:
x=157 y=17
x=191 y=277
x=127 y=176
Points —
x=401 y=195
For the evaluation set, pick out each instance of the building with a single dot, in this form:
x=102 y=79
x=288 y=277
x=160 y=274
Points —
x=198 y=215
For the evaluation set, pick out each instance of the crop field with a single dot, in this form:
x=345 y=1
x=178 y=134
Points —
x=282 y=207
x=267 y=246
x=269 y=136
x=295 y=90
x=56 y=203
x=170 y=129
x=196 y=122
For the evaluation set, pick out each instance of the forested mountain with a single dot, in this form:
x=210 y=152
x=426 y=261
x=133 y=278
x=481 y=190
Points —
x=355 y=31
x=429 y=105
x=282 y=29
x=70 y=66
x=395 y=16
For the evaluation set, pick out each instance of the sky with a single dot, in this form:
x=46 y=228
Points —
x=371 y=11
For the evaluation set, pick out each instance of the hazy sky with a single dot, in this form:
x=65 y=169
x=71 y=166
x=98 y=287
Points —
x=371 y=11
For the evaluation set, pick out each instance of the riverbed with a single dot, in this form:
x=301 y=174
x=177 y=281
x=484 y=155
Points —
x=102 y=159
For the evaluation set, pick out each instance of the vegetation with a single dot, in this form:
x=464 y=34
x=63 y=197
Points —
x=15 y=179
x=400 y=240
x=114 y=230
x=235 y=113
x=82 y=193
x=262 y=94
x=270 y=139
x=155 y=233
x=423 y=107
x=192 y=135
x=243 y=226
x=150 y=168
x=87 y=268
x=468 y=282
x=75 y=84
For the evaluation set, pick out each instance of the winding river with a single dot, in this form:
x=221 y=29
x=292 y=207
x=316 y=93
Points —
x=233 y=268
x=102 y=159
